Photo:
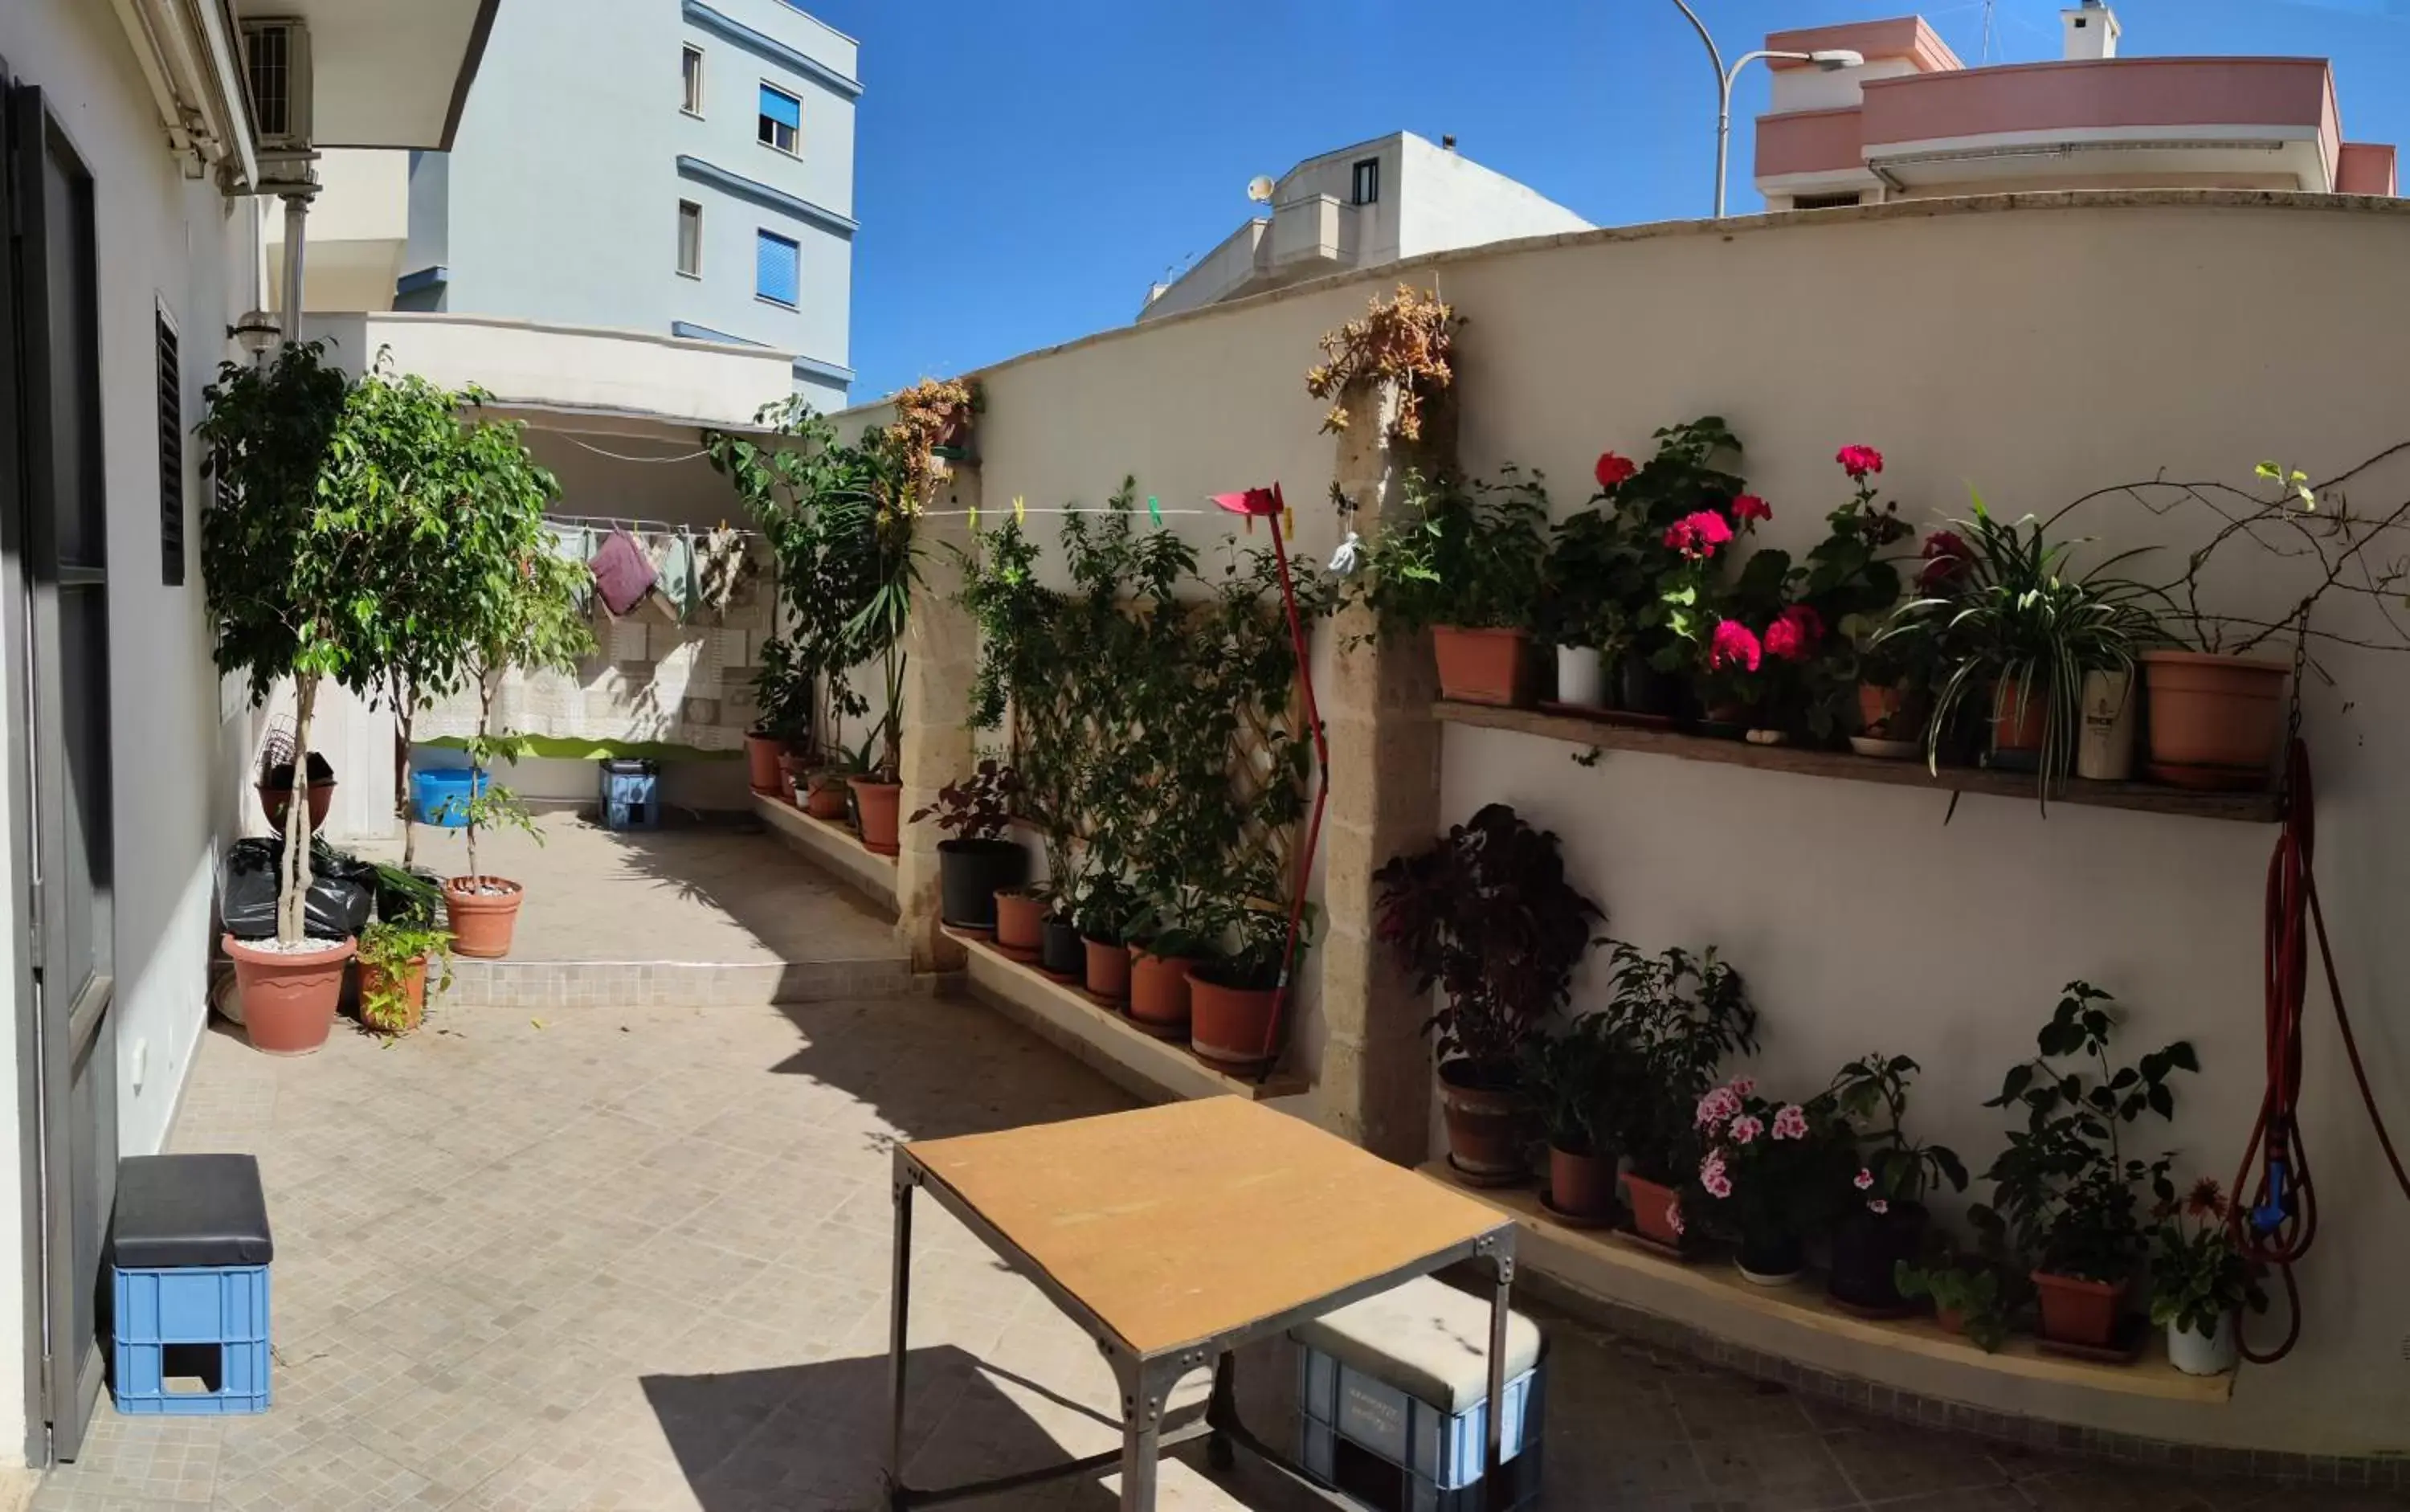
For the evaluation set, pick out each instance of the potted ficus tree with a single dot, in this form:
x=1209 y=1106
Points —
x=781 y=736
x=1466 y=563
x=1488 y=917
x=2066 y=1195
x=979 y=858
x=2200 y=1281
x=1679 y=1015
x=1575 y=1079
x=1884 y=1223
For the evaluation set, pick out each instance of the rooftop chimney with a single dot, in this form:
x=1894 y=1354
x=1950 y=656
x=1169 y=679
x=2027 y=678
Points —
x=2091 y=30
x=1447 y=143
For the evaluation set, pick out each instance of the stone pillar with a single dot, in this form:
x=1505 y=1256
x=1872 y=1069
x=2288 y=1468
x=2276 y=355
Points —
x=942 y=647
x=1377 y=1076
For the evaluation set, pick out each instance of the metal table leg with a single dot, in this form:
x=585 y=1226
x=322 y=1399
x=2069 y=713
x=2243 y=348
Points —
x=1493 y=1460
x=1143 y=1390
x=1222 y=1412
x=899 y=1307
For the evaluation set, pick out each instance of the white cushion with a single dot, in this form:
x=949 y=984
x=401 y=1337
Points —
x=1425 y=1338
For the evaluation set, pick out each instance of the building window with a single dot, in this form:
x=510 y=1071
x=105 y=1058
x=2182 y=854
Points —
x=778 y=269
x=689 y=238
x=690 y=65
x=1367 y=189
x=1822 y=202
x=782 y=121
x=171 y=451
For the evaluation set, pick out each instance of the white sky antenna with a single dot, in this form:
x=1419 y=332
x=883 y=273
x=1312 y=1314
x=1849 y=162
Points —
x=1260 y=189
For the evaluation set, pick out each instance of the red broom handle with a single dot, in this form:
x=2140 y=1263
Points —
x=1321 y=792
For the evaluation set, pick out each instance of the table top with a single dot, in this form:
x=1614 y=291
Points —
x=1190 y=1221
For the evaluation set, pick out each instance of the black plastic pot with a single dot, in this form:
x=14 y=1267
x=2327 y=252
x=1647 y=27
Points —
x=1061 y=952
x=1644 y=689
x=969 y=875
x=1772 y=1254
x=1867 y=1248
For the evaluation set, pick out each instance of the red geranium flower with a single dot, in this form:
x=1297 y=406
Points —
x=1794 y=636
x=1733 y=645
x=1748 y=506
x=1697 y=535
x=1857 y=461
x=1945 y=557
x=1613 y=470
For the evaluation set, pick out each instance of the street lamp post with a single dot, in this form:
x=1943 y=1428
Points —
x=1825 y=58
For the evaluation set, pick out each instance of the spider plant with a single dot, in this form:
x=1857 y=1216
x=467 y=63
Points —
x=2007 y=616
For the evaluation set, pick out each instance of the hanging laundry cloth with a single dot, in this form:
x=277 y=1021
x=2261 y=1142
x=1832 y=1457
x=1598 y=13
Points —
x=622 y=574
x=671 y=554
x=723 y=564
x=574 y=542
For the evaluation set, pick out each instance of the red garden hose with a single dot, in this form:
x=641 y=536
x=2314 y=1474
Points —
x=2280 y=1221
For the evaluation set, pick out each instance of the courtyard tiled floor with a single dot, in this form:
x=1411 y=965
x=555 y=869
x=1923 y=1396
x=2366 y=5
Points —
x=637 y=1259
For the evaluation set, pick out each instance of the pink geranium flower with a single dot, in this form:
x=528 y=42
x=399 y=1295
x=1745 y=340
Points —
x=1748 y=506
x=1734 y=643
x=1698 y=535
x=1790 y=1122
x=1743 y=1085
x=1857 y=461
x=1674 y=1214
x=1714 y=1178
x=1746 y=1128
x=1716 y=1107
x=1793 y=636
x=1613 y=470
x=1875 y=1205
x=1863 y=1180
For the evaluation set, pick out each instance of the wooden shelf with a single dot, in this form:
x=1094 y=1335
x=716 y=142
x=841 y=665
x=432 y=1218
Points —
x=1158 y=1069
x=1711 y=1296
x=2258 y=807
x=834 y=847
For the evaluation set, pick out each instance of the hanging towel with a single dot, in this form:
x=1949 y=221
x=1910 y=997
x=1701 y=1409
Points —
x=574 y=542
x=622 y=576
x=723 y=565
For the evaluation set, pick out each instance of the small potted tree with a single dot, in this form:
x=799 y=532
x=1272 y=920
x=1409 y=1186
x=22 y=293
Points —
x=979 y=859
x=1575 y=1079
x=1107 y=906
x=1680 y=1016
x=1233 y=990
x=397 y=957
x=1488 y=917
x=1884 y=1223
x=782 y=732
x=2065 y=1193
x=2201 y=1282
x=1465 y=563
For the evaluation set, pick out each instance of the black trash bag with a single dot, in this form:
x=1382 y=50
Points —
x=342 y=892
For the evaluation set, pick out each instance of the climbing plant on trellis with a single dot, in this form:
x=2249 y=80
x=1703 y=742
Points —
x=1150 y=711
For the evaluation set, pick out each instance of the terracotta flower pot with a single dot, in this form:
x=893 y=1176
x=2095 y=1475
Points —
x=1581 y=1184
x=2225 y=713
x=879 y=802
x=1950 y=1319
x=1484 y=1110
x=1109 y=970
x=1020 y=923
x=1480 y=666
x=2076 y=1311
x=1228 y=1026
x=289 y=998
x=1879 y=707
x=761 y=754
x=2020 y=722
x=1158 y=993
x=824 y=798
x=414 y=996
x=1656 y=1209
x=482 y=922
x=272 y=802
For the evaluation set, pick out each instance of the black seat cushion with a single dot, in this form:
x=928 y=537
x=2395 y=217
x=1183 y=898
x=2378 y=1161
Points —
x=187 y=1210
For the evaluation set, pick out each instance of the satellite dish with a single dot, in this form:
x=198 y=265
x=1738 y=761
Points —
x=1260 y=189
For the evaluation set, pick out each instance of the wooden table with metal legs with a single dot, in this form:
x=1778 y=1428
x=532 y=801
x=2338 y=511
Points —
x=1174 y=1236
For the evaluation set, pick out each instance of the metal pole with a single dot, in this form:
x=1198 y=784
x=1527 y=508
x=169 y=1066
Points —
x=296 y=221
x=898 y=1325
x=1723 y=97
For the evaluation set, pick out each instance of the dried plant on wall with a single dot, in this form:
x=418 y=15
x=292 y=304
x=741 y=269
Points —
x=1408 y=340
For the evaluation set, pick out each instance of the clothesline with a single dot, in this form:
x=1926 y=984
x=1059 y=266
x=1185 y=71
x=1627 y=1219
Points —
x=640 y=525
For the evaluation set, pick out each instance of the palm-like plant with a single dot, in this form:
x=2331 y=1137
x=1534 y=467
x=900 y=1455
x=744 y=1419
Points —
x=2003 y=612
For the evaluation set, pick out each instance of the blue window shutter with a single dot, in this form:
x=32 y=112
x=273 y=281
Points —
x=778 y=265
x=783 y=109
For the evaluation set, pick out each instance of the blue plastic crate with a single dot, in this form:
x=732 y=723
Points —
x=1395 y=1453
x=209 y=1322
x=630 y=795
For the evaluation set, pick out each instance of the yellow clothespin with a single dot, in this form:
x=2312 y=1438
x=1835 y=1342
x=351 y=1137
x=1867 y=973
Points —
x=1289 y=519
x=974 y=512
x=1020 y=511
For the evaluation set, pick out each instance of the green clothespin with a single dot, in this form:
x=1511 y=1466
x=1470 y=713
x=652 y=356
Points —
x=1153 y=509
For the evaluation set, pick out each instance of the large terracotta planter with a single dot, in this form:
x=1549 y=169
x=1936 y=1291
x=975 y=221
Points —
x=413 y=997
x=823 y=797
x=1109 y=970
x=2076 y=1311
x=761 y=754
x=1228 y=1026
x=482 y=922
x=1483 y=1111
x=1581 y=1185
x=1158 y=994
x=1020 y=923
x=879 y=802
x=273 y=801
x=2214 y=715
x=288 y=999
x=1480 y=666
x=1656 y=1209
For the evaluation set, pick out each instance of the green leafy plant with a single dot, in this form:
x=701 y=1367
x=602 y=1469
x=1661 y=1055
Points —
x=388 y=950
x=783 y=693
x=2064 y=1191
x=535 y=625
x=1252 y=949
x=1574 y=1081
x=1679 y=1015
x=1969 y=1289
x=2199 y=1277
x=1469 y=555
x=1106 y=908
x=978 y=807
x=1871 y=1096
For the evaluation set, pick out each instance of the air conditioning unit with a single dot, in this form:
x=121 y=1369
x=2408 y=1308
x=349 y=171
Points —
x=275 y=66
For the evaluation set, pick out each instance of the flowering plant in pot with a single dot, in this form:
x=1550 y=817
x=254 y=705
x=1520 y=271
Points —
x=2201 y=1282
x=1488 y=916
x=1679 y=1015
x=1574 y=1079
x=1706 y=608
x=978 y=858
x=1885 y=1225
x=1464 y=561
x=2065 y=1193
x=1773 y=1169
x=1591 y=574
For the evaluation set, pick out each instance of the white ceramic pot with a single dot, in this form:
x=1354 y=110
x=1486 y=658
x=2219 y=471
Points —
x=2196 y=1356
x=1581 y=679
x=2104 y=752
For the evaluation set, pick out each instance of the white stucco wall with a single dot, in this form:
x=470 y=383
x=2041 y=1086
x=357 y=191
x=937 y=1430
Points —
x=1447 y=200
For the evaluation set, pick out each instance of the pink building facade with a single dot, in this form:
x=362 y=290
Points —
x=1913 y=122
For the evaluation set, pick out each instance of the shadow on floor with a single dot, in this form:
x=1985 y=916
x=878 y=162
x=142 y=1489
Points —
x=723 y=867
x=816 y=1434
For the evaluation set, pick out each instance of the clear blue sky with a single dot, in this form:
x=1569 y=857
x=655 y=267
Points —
x=1025 y=169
